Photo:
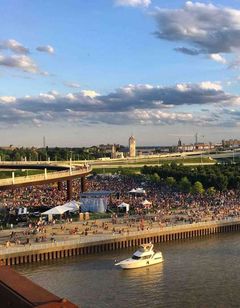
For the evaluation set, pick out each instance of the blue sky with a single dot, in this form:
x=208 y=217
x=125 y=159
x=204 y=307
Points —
x=91 y=72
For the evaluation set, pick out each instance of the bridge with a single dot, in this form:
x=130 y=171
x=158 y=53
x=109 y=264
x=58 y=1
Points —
x=59 y=174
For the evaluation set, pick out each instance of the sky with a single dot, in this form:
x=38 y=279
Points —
x=84 y=73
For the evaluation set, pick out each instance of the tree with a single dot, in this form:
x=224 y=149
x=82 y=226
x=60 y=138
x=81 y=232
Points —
x=211 y=191
x=170 y=181
x=185 y=184
x=155 y=178
x=222 y=182
x=198 y=188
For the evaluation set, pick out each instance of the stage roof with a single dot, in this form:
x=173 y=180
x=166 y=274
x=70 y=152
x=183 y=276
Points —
x=99 y=193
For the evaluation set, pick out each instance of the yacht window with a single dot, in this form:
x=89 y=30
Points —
x=146 y=257
x=135 y=257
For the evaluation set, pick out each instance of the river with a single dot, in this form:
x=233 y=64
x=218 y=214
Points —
x=195 y=273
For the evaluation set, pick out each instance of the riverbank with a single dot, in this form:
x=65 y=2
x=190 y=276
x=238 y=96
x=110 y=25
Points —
x=87 y=244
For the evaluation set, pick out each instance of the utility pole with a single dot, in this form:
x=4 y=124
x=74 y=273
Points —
x=196 y=138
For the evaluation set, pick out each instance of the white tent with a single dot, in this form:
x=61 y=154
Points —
x=140 y=190
x=73 y=206
x=137 y=191
x=124 y=205
x=58 y=210
x=146 y=202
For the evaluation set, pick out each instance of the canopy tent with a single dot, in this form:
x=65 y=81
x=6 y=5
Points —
x=140 y=190
x=124 y=205
x=58 y=210
x=146 y=202
x=137 y=191
x=73 y=206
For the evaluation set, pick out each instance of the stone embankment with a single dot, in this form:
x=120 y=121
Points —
x=107 y=242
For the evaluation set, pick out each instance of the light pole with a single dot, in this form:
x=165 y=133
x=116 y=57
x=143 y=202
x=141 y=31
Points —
x=202 y=149
x=70 y=162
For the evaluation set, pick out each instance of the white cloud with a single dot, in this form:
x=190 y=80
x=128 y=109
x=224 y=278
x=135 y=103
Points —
x=48 y=49
x=21 y=62
x=74 y=85
x=208 y=85
x=132 y=104
x=205 y=29
x=19 y=58
x=7 y=99
x=218 y=58
x=89 y=93
x=14 y=46
x=37 y=122
x=133 y=3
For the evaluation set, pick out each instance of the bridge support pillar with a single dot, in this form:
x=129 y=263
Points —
x=69 y=190
x=83 y=184
x=60 y=186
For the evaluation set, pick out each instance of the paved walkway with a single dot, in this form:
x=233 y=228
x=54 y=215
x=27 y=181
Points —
x=83 y=232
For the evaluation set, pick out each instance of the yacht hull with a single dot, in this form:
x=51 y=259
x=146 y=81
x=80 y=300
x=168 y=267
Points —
x=138 y=264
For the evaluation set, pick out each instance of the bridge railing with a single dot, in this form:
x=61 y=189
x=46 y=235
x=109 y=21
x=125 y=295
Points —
x=44 y=176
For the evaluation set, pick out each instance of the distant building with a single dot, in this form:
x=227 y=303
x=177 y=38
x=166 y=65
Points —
x=143 y=151
x=113 y=153
x=119 y=155
x=132 y=147
x=196 y=147
x=231 y=143
x=186 y=148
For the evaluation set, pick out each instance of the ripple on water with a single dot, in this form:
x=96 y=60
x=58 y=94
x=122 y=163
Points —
x=195 y=273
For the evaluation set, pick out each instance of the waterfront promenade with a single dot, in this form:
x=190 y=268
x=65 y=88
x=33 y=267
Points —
x=77 y=244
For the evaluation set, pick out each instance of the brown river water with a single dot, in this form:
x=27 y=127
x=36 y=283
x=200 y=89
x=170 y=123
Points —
x=195 y=273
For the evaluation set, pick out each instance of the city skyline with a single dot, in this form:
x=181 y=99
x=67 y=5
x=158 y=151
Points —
x=91 y=72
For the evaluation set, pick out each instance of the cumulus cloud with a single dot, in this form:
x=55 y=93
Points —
x=218 y=58
x=21 y=62
x=14 y=46
x=7 y=99
x=206 y=28
x=15 y=55
x=48 y=49
x=132 y=104
x=133 y=3
x=90 y=93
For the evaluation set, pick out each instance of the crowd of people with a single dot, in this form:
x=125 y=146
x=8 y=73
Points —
x=35 y=196
x=164 y=203
x=166 y=206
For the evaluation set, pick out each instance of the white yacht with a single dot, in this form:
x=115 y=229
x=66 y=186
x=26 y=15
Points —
x=144 y=256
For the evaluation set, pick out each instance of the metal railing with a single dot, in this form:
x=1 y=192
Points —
x=89 y=239
x=44 y=176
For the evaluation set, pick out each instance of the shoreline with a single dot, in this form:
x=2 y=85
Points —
x=107 y=242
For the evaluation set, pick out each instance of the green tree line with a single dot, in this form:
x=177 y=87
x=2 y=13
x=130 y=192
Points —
x=54 y=154
x=220 y=176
